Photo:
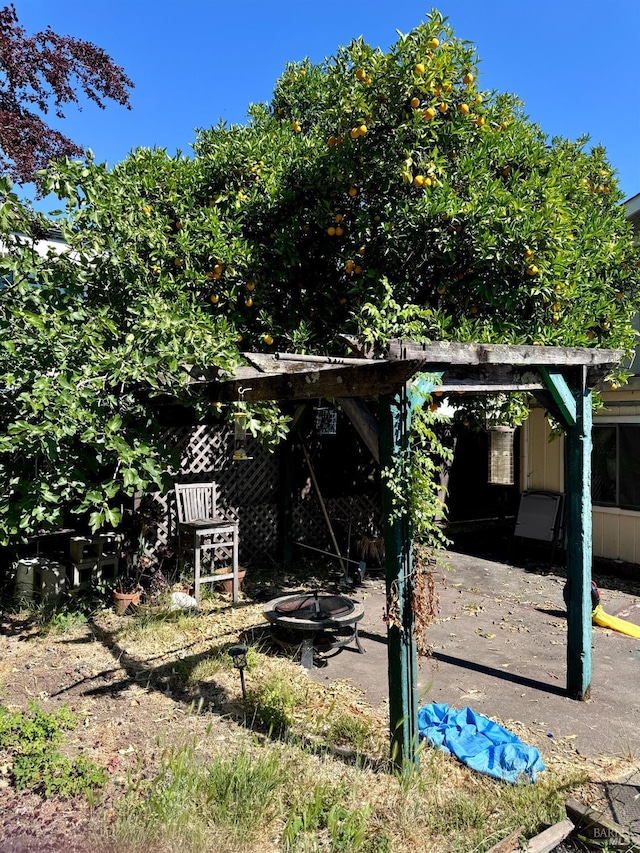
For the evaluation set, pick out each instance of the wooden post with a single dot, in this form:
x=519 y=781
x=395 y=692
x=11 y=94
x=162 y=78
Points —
x=579 y=548
x=395 y=451
x=574 y=407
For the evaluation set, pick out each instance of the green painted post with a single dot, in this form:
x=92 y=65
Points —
x=579 y=548
x=395 y=447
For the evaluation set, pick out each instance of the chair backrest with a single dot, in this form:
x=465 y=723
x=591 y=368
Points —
x=196 y=500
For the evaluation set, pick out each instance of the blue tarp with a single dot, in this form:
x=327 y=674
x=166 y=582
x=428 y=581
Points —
x=479 y=743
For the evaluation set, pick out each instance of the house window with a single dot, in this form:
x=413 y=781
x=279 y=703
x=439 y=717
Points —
x=615 y=466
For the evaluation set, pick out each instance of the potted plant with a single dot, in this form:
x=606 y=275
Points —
x=128 y=589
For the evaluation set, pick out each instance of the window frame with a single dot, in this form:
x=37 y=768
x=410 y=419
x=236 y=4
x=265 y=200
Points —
x=616 y=421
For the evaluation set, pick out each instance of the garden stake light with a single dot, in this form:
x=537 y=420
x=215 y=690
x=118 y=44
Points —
x=239 y=658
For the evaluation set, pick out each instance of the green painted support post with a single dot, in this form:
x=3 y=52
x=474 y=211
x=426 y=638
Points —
x=579 y=548
x=575 y=407
x=395 y=449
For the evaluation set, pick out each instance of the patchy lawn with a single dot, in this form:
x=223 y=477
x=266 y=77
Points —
x=191 y=766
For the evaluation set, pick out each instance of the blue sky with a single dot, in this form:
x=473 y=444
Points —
x=194 y=62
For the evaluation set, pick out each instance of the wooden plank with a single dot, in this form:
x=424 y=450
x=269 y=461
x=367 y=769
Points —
x=509 y=844
x=363 y=422
x=597 y=826
x=451 y=352
x=579 y=548
x=548 y=840
x=559 y=390
x=365 y=379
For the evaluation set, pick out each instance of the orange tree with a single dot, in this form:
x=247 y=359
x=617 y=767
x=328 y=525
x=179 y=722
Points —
x=377 y=194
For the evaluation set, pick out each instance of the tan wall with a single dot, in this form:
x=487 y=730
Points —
x=542 y=458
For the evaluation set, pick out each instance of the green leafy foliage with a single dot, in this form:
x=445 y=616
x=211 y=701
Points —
x=377 y=194
x=30 y=741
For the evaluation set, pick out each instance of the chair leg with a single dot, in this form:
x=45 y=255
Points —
x=235 y=583
x=196 y=566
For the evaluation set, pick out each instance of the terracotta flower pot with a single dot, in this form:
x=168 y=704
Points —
x=124 y=600
x=227 y=586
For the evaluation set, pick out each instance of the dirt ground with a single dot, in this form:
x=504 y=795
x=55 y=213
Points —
x=127 y=709
x=499 y=645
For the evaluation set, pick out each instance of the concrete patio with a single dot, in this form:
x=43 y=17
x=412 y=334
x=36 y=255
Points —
x=499 y=646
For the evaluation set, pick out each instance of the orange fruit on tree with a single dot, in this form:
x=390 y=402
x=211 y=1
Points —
x=248 y=302
x=428 y=182
x=434 y=43
x=251 y=285
x=480 y=121
x=428 y=114
x=468 y=78
x=354 y=133
x=443 y=107
x=361 y=74
x=146 y=208
x=331 y=231
x=214 y=298
x=357 y=269
x=353 y=192
x=414 y=102
x=349 y=266
x=464 y=109
x=419 y=180
x=267 y=339
x=338 y=217
x=528 y=253
x=297 y=127
x=419 y=70
x=339 y=231
x=532 y=269
x=362 y=129
x=478 y=99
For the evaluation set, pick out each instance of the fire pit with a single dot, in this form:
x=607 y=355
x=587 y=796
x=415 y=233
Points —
x=320 y=621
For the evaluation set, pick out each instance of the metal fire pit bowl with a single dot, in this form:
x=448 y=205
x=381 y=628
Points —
x=314 y=621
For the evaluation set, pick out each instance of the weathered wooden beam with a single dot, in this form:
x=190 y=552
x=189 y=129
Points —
x=364 y=379
x=509 y=844
x=451 y=352
x=579 y=547
x=548 y=839
x=363 y=422
x=488 y=378
x=599 y=827
x=561 y=394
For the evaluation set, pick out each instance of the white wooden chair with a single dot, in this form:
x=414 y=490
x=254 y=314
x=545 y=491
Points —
x=204 y=529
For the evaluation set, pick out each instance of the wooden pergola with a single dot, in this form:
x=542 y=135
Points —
x=560 y=378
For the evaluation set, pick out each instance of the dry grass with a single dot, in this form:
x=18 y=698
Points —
x=297 y=766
